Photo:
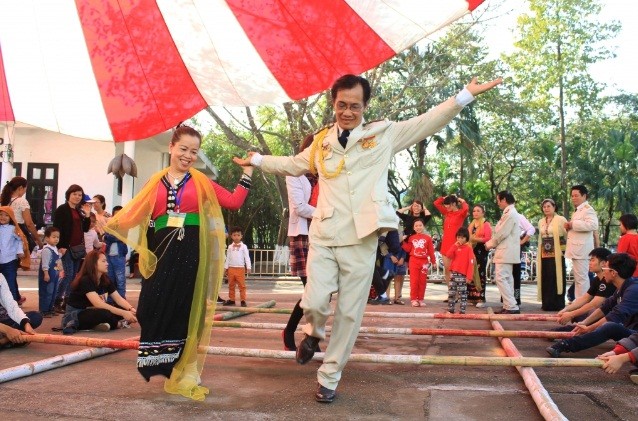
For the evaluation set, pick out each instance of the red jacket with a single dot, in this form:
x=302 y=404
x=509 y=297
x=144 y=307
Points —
x=462 y=259
x=420 y=246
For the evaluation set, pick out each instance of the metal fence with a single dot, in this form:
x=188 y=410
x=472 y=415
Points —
x=274 y=263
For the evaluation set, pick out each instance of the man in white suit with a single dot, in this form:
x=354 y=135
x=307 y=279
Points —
x=580 y=238
x=507 y=240
x=351 y=159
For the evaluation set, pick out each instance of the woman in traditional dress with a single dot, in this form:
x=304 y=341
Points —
x=480 y=233
x=551 y=270
x=183 y=264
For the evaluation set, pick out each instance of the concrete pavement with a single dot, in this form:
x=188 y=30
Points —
x=109 y=387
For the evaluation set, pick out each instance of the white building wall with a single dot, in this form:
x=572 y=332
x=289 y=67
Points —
x=81 y=161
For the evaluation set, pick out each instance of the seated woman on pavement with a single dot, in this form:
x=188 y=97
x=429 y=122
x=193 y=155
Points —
x=87 y=307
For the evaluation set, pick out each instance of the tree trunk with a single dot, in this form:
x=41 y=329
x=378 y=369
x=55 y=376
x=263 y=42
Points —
x=563 y=146
x=610 y=216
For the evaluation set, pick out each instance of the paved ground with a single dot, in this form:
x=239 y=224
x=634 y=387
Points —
x=109 y=388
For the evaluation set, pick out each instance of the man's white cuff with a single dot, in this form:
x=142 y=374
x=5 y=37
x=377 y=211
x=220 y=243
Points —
x=255 y=159
x=464 y=97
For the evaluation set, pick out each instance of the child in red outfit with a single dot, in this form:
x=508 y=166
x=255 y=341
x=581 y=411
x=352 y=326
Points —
x=421 y=250
x=462 y=261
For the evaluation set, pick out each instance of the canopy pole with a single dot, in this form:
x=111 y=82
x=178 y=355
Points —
x=7 y=153
x=127 y=180
x=546 y=406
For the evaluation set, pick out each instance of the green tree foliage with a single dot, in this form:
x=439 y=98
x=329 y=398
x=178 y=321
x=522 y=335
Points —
x=559 y=40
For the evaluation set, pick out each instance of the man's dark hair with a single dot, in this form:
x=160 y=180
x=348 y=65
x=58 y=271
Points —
x=629 y=221
x=116 y=208
x=236 y=229
x=349 y=82
x=581 y=189
x=622 y=263
x=601 y=253
x=463 y=232
x=507 y=196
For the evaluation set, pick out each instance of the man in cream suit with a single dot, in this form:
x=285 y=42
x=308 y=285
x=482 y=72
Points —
x=507 y=240
x=351 y=159
x=580 y=238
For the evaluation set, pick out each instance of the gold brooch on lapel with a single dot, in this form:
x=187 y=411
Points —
x=368 y=142
x=326 y=149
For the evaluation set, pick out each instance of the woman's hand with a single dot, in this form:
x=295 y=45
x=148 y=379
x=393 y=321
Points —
x=86 y=208
x=244 y=162
x=129 y=317
x=249 y=170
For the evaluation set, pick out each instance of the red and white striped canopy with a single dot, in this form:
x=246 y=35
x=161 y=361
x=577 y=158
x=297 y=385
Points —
x=129 y=69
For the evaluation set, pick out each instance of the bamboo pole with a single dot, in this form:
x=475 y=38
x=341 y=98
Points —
x=370 y=358
x=102 y=347
x=415 y=359
x=394 y=315
x=57 y=361
x=418 y=331
x=543 y=401
x=233 y=312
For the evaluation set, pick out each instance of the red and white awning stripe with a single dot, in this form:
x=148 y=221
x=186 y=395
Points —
x=129 y=69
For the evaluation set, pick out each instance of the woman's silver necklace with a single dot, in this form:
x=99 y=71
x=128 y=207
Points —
x=175 y=179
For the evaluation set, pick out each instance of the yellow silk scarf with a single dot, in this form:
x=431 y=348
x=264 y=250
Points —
x=130 y=226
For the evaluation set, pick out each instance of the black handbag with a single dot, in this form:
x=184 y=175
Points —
x=28 y=236
x=78 y=252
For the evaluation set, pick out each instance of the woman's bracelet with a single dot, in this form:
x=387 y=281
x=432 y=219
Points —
x=245 y=181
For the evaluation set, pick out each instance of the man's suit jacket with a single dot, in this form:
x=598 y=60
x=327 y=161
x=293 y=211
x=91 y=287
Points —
x=507 y=237
x=299 y=190
x=580 y=239
x=354 y=204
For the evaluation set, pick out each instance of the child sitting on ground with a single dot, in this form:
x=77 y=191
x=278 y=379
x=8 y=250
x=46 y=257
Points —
x=421 y=250
x=50 y=271
x=461 y=257
x=236 y=267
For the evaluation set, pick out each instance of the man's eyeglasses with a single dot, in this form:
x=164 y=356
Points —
x=355 y=108
x=607 y=268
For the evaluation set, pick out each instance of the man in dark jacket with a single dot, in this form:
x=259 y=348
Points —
x=617 y=318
